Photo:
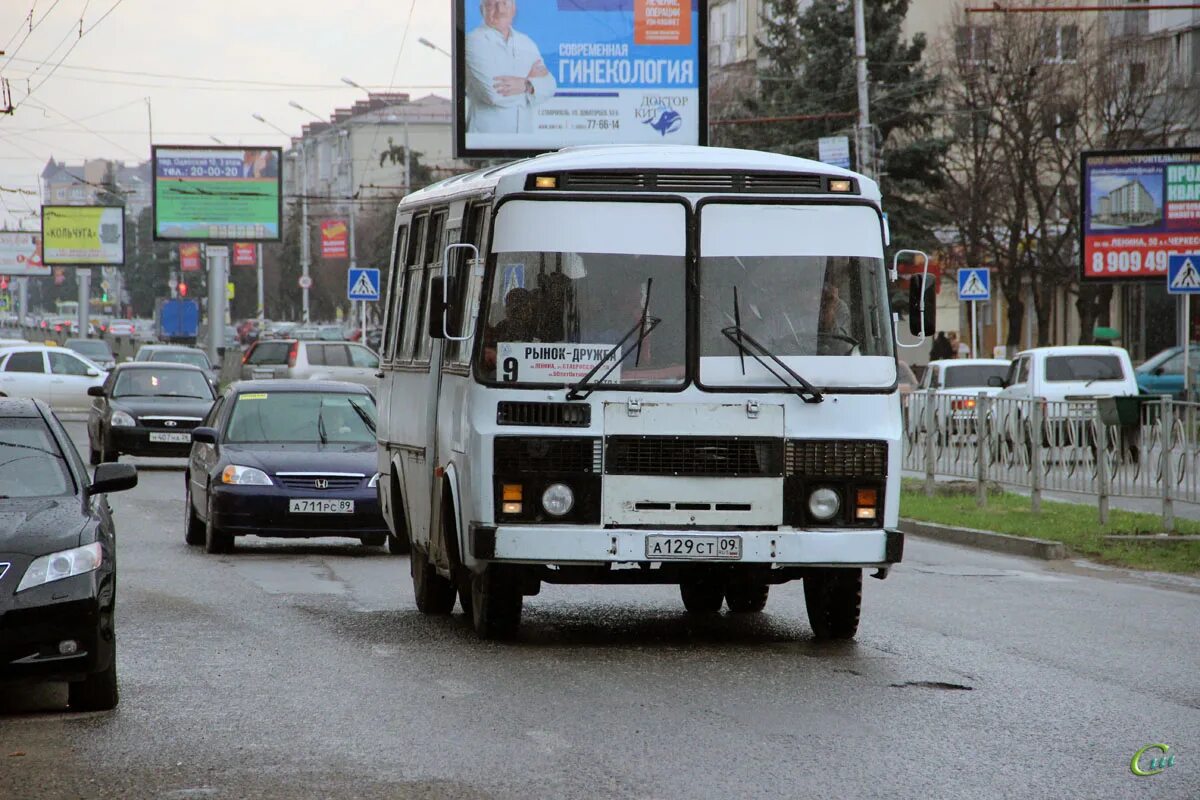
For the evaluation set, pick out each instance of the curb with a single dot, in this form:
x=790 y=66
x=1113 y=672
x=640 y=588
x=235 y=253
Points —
x=987 y=540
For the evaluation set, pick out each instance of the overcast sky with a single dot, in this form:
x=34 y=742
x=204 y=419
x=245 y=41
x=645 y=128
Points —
x=94 y=104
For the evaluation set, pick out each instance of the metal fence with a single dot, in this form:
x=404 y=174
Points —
x=1104 y=447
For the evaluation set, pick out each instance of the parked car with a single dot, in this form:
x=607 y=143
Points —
x=55 y=375
x=95 y=350
x=285 y=458
x=176 y=354
x=147 y=408
x=311 y=360
x=1163 y=372
x=1068 y=373
x=961 y=376
x=57 y=559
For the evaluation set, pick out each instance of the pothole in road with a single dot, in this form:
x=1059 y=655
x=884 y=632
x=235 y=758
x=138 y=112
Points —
x=933 y=685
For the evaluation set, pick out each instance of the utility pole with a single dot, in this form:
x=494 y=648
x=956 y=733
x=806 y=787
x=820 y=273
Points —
x=866 y=142
x=305 y=257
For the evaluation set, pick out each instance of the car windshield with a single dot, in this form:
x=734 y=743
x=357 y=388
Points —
x=569 y=282
x=972 y=375
x=196 y=359
x=92 y=348
x=31 y=463
x=1084 y=368
x=143 y=382
x=302 y=418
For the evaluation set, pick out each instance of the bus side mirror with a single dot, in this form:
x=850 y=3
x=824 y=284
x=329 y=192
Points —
x=921 y=320
x=437 y=307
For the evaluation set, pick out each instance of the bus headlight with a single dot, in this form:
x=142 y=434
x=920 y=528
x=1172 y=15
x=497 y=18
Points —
x=558 y=499
x=824 y=504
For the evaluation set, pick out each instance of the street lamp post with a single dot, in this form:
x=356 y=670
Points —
x=433 y=46
x=304 y=244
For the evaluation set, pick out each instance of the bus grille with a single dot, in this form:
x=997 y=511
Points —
x=696 y=456
x=546 y=415
x=825 y=458
x=541 y=454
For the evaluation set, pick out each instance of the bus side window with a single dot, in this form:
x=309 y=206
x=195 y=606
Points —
x=466 y=285
x=412 y=281
x=392 y=324
x=432 y=266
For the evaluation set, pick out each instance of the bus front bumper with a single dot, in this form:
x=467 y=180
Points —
x=549 y=544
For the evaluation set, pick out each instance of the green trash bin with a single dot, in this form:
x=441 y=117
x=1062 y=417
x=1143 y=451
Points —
x=1123 y=411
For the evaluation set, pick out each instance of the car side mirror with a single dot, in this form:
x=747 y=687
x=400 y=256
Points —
x=437 y=308
x=996 y=381
x=113 y=478
x=1159 y=371
x=95 y=391
x=204 y=435
x=91 y=373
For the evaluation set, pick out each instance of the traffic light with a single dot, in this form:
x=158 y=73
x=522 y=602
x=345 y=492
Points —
x=3 y=283
x=182 y=289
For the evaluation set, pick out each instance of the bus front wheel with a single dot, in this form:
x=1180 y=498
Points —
x=834 y=600
x=496 y=602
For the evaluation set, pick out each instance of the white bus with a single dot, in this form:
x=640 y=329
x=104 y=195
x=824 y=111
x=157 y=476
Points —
x=669 y=365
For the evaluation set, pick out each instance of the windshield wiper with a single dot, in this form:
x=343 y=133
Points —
x=647 y=323
x=748 y=345
x=321 y=423
x=363 y=415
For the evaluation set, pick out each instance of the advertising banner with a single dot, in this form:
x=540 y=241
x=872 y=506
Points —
x=189 y=258
x=536 y=76
x=245 y=254
x=335 y=238
x=21 y=254
x=83 y=236
x=1140 y=207
x=217 y=193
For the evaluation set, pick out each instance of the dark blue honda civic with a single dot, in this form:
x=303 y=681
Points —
x=284 y=458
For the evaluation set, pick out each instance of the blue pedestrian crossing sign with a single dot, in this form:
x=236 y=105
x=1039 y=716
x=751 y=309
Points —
x=1183 y=274
x=975 y=284
x=363 y=284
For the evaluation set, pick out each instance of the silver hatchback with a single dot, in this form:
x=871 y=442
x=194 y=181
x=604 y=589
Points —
x=308 y=360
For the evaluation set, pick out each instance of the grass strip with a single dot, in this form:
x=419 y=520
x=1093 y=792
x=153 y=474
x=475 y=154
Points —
x=1074 y=525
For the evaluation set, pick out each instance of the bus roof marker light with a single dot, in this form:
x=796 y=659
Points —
x=840 y=185
x=545 y=182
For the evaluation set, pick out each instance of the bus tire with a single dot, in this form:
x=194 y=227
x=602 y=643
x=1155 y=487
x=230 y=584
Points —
x=398 y=543
x=702 y=596
x=496 y=602
x=834 y=600
x=434 y=594
x=747 y=598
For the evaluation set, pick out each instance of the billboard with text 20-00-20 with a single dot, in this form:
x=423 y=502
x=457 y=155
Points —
x=217 y=193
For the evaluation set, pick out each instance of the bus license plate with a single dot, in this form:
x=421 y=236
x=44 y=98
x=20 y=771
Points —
x=698 y=548
x=321 y=506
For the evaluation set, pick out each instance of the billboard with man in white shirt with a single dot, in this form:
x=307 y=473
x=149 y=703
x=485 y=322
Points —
x=537 y=75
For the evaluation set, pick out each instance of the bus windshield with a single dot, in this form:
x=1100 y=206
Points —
x=805 y=283
x=552 y=315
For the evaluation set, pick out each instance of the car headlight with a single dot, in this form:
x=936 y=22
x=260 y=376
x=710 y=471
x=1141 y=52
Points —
x=824 y=504
x=371 y=484
x=63 y=564
x=122 y=420
x=244 y=476
x=558 y=499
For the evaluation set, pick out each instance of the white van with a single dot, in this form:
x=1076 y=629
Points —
x=1070 y=373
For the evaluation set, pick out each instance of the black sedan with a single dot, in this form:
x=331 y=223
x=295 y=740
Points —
x=285 y=458
x=147 y=409
x=58 y=571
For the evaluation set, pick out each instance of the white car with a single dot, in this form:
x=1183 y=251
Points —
x=56 y=375
x=315 y=361
x=962 y=376
x=1080 y=372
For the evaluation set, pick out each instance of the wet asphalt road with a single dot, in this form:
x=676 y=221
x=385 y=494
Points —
x=297 y=670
